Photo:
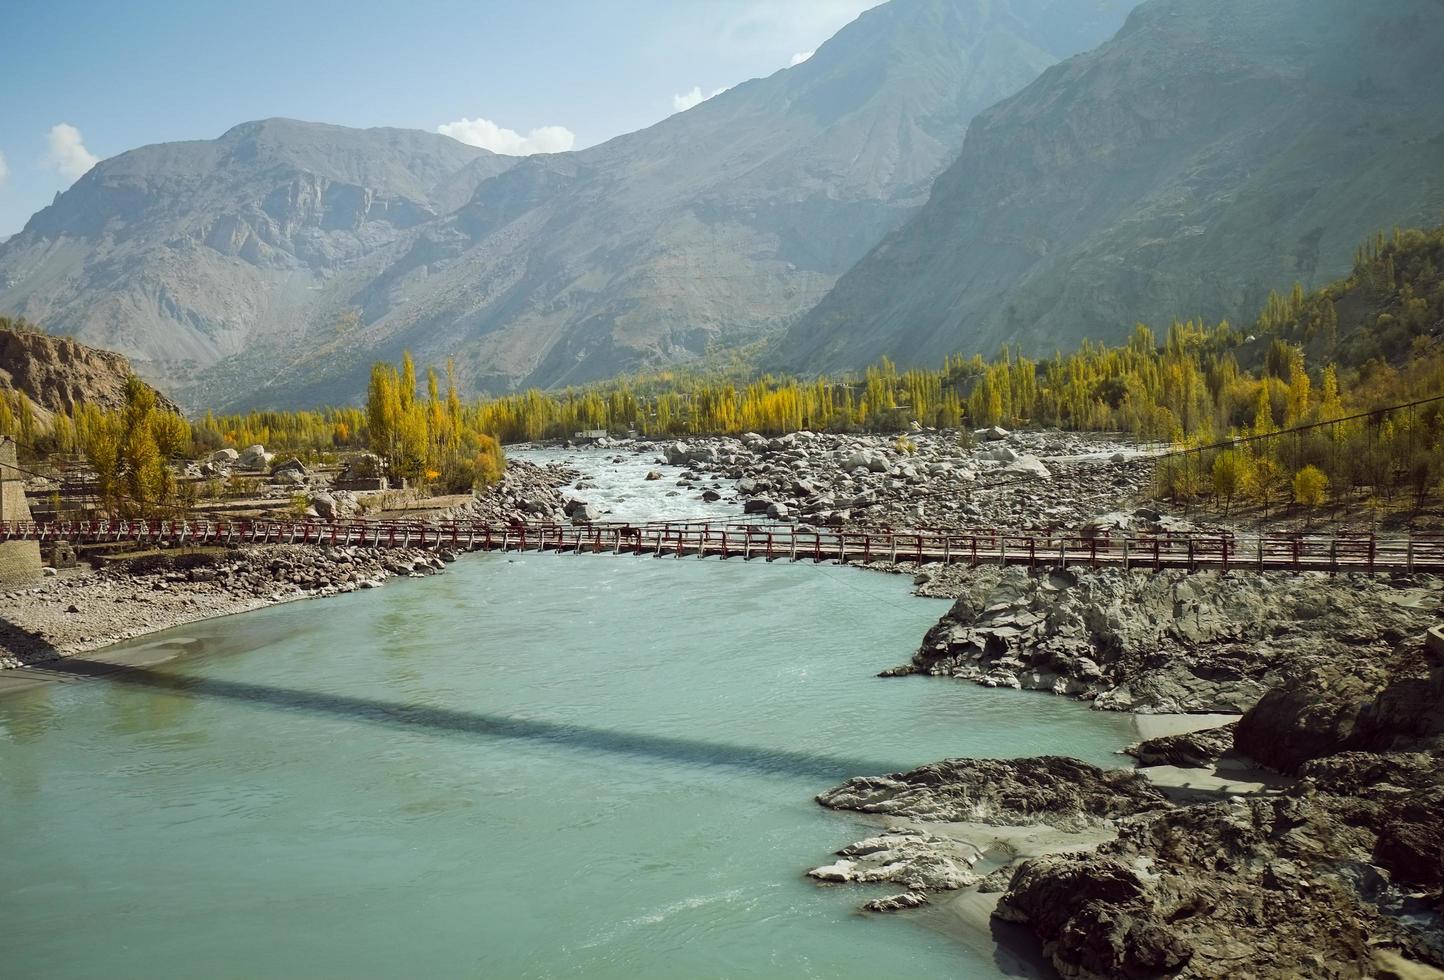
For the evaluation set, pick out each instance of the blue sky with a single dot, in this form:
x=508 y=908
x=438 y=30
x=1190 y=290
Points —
x=85 y=80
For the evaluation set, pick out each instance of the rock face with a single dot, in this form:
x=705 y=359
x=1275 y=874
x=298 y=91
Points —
x=1062 y=793
x=920 y=862
x=545 y=270
x=1166 y=642
x=1287 y=887
x=1348 y=704
x=57 y=372
x=1315 y=882
x=1208 y=153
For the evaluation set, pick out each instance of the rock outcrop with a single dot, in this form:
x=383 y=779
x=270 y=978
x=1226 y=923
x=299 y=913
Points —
x=1352 y=703
x=1166 y=642
x=57 y=372
x=1317 y=881
x=1060 y=792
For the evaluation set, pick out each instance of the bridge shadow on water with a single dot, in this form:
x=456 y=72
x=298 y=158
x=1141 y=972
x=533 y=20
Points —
x=480 y=725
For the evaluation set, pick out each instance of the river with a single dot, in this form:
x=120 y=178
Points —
x=532 y=766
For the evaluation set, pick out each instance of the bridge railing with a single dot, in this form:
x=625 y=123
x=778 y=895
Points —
x=1339 y=552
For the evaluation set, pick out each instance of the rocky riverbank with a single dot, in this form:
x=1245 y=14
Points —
x=1164 y=643
x=1340 y=875
x=87 y=609
x=1196 y=864
x=930 y=478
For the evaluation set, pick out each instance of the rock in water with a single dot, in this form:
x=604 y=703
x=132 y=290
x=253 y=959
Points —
x=1060 y=792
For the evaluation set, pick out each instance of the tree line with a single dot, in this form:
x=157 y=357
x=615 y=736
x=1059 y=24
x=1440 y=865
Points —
x=1366 y=341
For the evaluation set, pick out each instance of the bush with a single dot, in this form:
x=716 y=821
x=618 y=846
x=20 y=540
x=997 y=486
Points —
x=474 y=468
x=1310 y=484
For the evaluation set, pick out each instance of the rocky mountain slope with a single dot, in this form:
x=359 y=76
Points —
x=1210 y=152
x=56 y=373
x=274 y=264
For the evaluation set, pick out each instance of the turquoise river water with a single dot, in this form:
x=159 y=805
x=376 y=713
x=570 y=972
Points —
x=532 y=766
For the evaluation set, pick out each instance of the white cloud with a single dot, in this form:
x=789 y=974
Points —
x=67 y=155
x=488 y=135
x=685 y=101
x=765 y=26
x=799 y=58
x=4 y=168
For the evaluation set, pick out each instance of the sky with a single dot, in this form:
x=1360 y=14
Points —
x=82 y=81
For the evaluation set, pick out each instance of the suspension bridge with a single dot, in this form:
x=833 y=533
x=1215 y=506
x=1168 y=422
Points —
x=1333 y=553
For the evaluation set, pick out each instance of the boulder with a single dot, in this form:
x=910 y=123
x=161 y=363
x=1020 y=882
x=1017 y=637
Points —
x=324 y=505
x=995 y=434
x=224 y=457
x=1026 y=468
x=254 y=458
x=779 y=511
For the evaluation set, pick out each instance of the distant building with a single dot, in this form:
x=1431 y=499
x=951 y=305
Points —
x=590 y=435
x=19 y=560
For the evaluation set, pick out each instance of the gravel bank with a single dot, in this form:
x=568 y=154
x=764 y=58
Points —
x=83 y=610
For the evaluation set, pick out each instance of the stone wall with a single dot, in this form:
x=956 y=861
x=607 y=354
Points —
x=19 y=560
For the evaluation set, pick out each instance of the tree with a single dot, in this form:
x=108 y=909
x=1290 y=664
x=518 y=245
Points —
x=1310 y=484
x=1229 y=470
x=1264 y=478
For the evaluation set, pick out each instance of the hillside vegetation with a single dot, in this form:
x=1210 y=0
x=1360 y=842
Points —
x=1371 y=340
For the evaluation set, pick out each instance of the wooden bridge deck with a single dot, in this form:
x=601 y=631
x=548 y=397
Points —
x=1296 y=553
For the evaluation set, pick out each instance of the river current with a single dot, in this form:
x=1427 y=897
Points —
x=532 y=766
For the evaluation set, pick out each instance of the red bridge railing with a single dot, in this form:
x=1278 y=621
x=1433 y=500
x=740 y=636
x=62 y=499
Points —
x=1292 y=552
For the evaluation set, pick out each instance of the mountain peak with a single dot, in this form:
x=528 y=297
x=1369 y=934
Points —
x=222 y=267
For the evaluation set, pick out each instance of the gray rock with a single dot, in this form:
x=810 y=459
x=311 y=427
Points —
x=254 y=458
x=1027 y=468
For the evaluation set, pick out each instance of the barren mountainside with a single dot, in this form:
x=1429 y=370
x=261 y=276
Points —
x=57 y=373
x=273 y=265
x=1207 y=154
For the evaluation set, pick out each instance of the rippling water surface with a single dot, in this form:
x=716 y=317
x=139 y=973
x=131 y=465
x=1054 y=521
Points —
x=536 y=766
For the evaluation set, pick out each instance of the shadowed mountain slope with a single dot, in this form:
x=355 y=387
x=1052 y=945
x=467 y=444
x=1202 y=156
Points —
x=1207 y=154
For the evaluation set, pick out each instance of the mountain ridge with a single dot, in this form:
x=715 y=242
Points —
x=1205 y=155
x=720 y=224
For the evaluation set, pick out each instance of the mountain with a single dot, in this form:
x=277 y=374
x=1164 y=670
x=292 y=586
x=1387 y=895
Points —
x=184 y=254
x=57 y=373
x=1207 y=154
x=273 y=265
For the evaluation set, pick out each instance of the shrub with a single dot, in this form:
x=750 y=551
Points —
x=1310 y=484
